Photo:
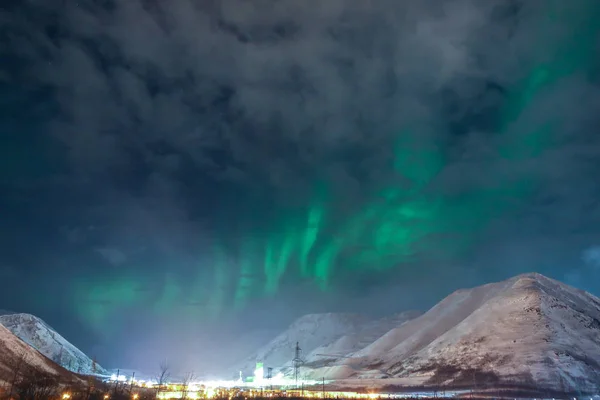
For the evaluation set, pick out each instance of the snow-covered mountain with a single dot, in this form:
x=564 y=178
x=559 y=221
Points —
x=353 y=341
x=35 y=332
x=16 y=355
x=311 y=331
x=528 y=330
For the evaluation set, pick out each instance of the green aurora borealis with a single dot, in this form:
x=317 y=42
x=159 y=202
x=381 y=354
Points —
x=408 y=219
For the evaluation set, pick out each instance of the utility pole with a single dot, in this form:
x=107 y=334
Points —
x=269 y=376
x=117 y=381
x=131 y=385
x=323 y=388
x=297 y=362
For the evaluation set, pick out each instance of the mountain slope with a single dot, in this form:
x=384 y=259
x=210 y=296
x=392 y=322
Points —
x=47 y=341
x=16 y=355
x=354 y=341
x=529 y=330
x=311 y=331
x=414 y=335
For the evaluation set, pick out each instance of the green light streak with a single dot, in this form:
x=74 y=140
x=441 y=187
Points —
x=270 y=269
x=247 y=281
x=98 y=301
x=172 y=293
x=220 y=282
x=311 y=234
x=325 y=263
x=400 y=223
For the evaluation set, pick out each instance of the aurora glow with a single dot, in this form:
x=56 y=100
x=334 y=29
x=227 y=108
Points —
x=398 y=224
x=220 y=164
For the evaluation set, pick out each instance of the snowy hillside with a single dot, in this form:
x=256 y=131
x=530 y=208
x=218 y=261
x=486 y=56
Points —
x=421 y=331
x=42 y=337
x=527 y=330
x=353 y=341
x=18 y=355
x=311 y=331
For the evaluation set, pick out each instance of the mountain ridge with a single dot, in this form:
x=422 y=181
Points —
x=42 y=337
x=528 y=329
x=16 y=355
x=312 y=330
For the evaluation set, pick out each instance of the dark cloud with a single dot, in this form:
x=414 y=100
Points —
x=244 y=92
x=147 y=128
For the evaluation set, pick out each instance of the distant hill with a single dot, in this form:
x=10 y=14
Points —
x=312 y=331
x=528 y=330
x=353 y=341
x=42 y=337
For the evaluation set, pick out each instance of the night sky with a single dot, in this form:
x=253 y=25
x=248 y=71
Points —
x=175 y=175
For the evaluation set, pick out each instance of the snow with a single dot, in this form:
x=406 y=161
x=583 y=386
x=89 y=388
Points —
x=13 y=352
x=47 y=341
x=528 y=330
x=312 y=331
x=319 y=335
x=363 y=335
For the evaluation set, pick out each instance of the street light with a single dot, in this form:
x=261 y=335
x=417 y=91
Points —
x=135 y=396
x=66 y=396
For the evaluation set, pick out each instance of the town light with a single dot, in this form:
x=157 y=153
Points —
x=259 y=373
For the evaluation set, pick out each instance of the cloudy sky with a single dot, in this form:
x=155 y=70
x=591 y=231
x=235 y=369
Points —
x=176 y=174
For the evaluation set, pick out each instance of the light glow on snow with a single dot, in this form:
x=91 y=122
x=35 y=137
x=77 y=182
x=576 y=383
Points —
x=259 y=373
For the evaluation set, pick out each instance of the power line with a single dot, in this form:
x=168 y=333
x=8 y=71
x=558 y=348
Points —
x=297 y=361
